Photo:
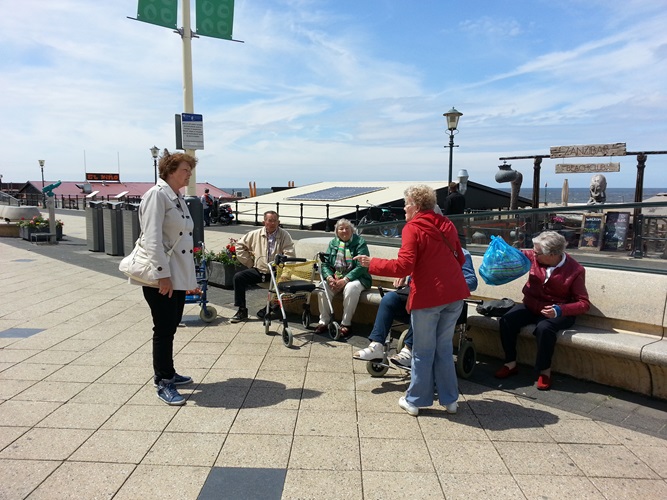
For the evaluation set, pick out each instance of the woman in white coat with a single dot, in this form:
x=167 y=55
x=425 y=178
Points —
x=166 y=224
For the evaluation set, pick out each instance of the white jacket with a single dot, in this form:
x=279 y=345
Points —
x=164 y=217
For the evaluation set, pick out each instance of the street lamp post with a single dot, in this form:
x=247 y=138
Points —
x=452 y=117
x=155 y=151
x=41 y=166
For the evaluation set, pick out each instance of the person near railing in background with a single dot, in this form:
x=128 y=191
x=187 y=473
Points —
x=343 y=274
x=554 y=294
x=207 y=203
x=431 y=253
x=392 y=307
x=455 y=204
x=256 y=250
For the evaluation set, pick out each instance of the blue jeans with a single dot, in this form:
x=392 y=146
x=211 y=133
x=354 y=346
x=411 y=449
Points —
x=433 y=355
x=392 y=306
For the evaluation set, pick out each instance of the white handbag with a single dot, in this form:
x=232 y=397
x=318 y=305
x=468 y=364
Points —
x=137 y=265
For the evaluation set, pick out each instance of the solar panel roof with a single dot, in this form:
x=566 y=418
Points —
x=335 y=193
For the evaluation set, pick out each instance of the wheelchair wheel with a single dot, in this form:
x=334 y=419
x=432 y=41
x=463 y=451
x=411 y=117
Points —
x=389 y=231
x=401 y=340
x=334 y=330
x=466 y=359
x=376 y=369
x=267 y=325
x=287 y=337
x=306 y=319
x=208 y=314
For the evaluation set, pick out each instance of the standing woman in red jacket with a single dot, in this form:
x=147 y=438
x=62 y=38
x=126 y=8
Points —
x=554 y=294
x=431 y=253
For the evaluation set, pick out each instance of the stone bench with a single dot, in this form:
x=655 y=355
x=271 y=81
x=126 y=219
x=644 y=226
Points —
x=619 y=342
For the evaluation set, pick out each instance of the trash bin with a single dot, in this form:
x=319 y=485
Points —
x=113 y=228
x=197 y=213
x=131 y=229
x=95 y=226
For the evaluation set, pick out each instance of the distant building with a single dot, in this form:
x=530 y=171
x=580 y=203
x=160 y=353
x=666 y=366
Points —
x=75 y=192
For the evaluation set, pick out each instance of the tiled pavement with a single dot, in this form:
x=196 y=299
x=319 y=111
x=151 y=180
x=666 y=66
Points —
x=79 y=417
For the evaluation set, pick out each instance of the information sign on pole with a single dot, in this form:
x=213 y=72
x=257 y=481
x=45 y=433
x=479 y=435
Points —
x=190 y=132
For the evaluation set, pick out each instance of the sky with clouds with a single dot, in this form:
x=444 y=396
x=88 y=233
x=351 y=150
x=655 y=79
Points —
x=322 y=90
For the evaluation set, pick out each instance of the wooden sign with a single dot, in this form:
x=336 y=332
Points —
x=591 y=232
x=579 y=168
x=617 y=149
x=615 y=230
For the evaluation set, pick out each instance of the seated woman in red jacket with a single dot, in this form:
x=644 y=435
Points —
x=554 y=294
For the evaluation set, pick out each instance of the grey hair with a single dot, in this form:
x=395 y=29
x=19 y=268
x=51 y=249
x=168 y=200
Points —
x=551 y=242
x=344 y=222
x=422 y=195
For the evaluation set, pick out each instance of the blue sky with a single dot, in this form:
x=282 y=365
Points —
x=337 y=89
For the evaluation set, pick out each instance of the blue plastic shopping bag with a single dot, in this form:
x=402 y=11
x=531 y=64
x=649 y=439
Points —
x=502 y=263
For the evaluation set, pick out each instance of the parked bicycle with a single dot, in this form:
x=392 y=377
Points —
x=378 y=220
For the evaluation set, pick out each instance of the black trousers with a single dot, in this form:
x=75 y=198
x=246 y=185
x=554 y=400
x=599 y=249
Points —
x=545 y=333
x=167 y=314
x=243 y=279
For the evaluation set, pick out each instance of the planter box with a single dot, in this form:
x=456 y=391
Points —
x=25 y=232
x=9 y=231
x=222 y=275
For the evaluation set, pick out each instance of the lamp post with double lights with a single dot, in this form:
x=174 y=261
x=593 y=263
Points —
x=452 y=117
x=41 y=166
x=155 y=151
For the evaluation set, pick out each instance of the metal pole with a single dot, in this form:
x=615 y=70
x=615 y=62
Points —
x=188 y=98
x=155 y=167
x=41 y=166
x=451 y=154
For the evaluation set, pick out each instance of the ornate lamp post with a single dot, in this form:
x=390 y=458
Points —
x=155 y=151
x=41 y=166
x=452 y=117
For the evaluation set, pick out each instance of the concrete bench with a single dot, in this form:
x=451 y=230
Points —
x=619 y=342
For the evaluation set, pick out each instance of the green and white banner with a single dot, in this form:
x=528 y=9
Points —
x=160 y=12
x=215 y=18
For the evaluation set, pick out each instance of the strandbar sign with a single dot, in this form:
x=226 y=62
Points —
x=617 y=149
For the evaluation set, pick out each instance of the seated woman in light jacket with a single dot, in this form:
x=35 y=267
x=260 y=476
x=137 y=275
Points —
x=343 y=274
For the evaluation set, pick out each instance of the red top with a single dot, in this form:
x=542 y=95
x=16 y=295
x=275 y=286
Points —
x=436 y=273
x=566 y=287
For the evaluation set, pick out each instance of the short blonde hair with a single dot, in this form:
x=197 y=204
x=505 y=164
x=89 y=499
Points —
x=422 y=195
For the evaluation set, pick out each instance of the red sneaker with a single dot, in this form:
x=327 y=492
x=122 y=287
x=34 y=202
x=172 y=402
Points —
x=504 y=371
x=544 y=382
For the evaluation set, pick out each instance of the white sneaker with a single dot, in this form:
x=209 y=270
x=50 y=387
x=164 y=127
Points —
x=403 y=358
x=374 y=352
x=407 y=406
x=452 y=407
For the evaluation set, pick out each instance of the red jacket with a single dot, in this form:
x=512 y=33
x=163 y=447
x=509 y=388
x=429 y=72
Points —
x=566 y=287
x=436 y=273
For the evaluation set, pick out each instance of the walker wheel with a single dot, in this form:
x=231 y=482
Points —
x=376 y=369
x=334 y=330
x=401 y=340
x=466 y=359
x=267 y=324
x=208 y=314
x=306 y=319
x=287 y=337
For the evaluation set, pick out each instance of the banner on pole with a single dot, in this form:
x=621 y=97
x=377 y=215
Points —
x=215 y=18
x=160 y=12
